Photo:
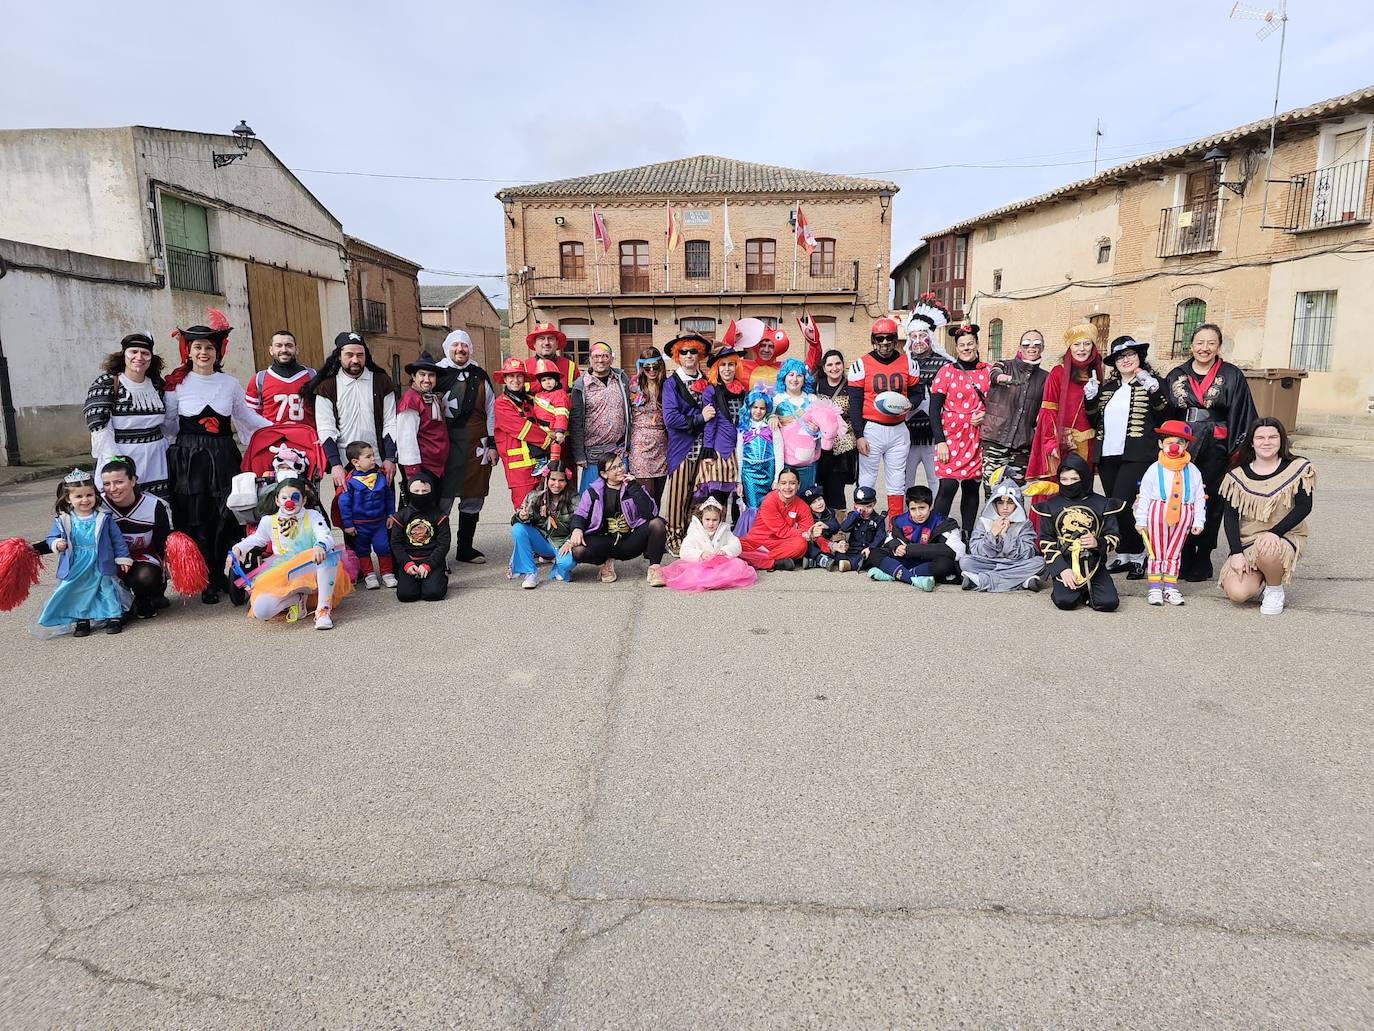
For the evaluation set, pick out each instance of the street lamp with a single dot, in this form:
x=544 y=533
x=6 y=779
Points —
x=244 y=138
x=1217 y=158
x=885 y=199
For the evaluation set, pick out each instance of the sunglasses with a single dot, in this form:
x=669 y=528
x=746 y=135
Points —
x=889 y=337
x=689 y=350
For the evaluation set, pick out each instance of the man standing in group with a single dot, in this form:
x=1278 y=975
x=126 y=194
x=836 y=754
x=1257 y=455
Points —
x=689 y=405
x=600 y=421
x=924 y=360
x=276 y=392
x=353 y=400
x=469 y=410
x=760 y=369
x=880 y=431
x=1013 y=405
x=547 y=341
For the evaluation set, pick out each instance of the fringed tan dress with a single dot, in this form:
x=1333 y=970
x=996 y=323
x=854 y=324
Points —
x=1262 y=504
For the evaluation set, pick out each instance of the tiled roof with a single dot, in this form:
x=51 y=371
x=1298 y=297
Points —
x=350 y=241
x=703 y=174
x=1139 y=166
x=443 y=294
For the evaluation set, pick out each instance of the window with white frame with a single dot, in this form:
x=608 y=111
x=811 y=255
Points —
x=1339 y=184
x=1314 y=324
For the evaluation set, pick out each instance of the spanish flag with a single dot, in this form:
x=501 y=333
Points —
x=672 y=232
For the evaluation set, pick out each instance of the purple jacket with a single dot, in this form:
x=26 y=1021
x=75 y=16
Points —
x=682 y=417
x=635 y=505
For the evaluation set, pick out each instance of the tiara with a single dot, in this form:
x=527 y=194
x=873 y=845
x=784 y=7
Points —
x=78 y=478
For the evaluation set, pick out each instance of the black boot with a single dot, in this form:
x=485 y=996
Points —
x=467 y=527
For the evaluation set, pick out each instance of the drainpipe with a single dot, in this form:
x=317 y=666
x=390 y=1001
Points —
x=7 y=398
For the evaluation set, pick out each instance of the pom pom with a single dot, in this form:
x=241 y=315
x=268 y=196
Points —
x=185 y=565
x=19 y=569
x=350 y=563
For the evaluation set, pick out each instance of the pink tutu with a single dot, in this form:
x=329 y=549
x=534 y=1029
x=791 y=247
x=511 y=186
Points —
x=712 y=574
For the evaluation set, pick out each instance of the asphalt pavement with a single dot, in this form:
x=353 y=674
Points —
x=818 y=802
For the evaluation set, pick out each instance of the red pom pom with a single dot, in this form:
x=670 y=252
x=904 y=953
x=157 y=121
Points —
x=19 y=569
x=185 y=565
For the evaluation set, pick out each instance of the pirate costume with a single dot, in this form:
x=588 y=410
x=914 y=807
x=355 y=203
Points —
x=202 y=410
x=1219 y=409
x=1065 y=519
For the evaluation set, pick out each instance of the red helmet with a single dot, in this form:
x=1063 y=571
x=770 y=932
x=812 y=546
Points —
x=883 y=327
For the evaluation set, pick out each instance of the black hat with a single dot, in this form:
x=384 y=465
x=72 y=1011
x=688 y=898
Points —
x=865 y=496
x=424 y=363
x=673 y=345
x=812 y=493
x=345 y=338
x=218 y=336
x=723 y=353
x=1125 y=343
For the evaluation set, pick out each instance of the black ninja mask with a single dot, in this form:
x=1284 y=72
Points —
x=1083 y=487
x=425 y=502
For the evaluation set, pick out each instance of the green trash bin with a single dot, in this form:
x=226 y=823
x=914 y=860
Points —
x=1276 y=393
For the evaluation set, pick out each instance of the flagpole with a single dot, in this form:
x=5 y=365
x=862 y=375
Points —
x=726 y=248
x=596 y=242
x=795 y=229
x=668 y=251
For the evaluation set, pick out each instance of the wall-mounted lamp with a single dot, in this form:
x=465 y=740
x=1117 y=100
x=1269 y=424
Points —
x=1217 y=158
x=244 y=138
x=509 y=204
x=559 y=221
x=885 y=199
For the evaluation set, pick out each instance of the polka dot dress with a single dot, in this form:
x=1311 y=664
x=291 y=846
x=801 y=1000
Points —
x=961 y=404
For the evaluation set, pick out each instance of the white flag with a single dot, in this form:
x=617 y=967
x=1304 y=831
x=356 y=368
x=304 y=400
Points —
x=728 y=244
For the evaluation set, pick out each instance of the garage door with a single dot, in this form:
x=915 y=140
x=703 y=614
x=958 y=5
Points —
x=281 y=299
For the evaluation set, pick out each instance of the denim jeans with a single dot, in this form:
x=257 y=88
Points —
x=527 y=542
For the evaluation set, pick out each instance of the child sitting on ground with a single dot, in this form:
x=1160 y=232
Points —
x=420 y=540
x=824 y=524
x=864 y=530
x=551 y=406
x=1003 y=553
x=1077 y=528
x=1172 y=503
x=709 y=559
x=778 y=538
x=366 y=503
x=922 y=547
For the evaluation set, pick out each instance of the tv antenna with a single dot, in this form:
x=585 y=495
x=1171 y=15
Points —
x=1275 y=19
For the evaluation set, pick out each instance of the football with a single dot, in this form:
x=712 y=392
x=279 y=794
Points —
x=889 y=402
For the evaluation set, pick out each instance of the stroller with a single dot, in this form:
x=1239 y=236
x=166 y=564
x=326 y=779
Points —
x=273 y=453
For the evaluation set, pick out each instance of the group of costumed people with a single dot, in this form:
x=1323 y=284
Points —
x=738 y=459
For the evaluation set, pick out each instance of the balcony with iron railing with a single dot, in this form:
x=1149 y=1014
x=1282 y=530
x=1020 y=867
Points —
x=1188 y=229
x=698 y=278
x=1325 y=198
x=374 y=317
x=191 y=270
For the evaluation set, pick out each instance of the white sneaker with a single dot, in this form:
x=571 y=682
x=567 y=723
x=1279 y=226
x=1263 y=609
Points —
x=530 y=582
x=1173 y=596
x=322 y=620
x=1156 y=596
x=371 y=582
x=1273 y=601
x=388 y=579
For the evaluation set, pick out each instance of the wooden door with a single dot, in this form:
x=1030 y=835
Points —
x=635 y=335
x=280 y=299
x=1103 y=325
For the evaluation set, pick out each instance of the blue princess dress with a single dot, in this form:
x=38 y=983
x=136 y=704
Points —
x=83 y=592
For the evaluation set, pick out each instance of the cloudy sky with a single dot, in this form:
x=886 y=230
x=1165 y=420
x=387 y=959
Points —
x=500 y=94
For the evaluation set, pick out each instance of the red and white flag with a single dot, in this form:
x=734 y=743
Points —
x=805 y=239
x=599 y=231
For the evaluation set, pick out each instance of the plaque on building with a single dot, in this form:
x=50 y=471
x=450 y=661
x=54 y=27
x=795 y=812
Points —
x=696 y=216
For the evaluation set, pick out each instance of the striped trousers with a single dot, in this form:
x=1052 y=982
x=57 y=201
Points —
x=709 y=475
x=1166 y=542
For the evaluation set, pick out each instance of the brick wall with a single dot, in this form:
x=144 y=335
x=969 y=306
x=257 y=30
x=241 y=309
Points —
x=376 y=276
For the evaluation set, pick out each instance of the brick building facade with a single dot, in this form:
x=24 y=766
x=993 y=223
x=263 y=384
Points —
x=384 y=303
x=446 y=307
x=639 y=292
x=1156 y=246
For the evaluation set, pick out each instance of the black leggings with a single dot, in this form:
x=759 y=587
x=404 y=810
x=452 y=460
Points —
x=146 y=582
x=647 y=539
x=968 y=501
x=834 y=473
x=654 y=485
x=1121 y=480
x=415 y=588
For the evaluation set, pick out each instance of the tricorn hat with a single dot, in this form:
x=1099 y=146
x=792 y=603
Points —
x=424 y=363
x=1125 y=343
